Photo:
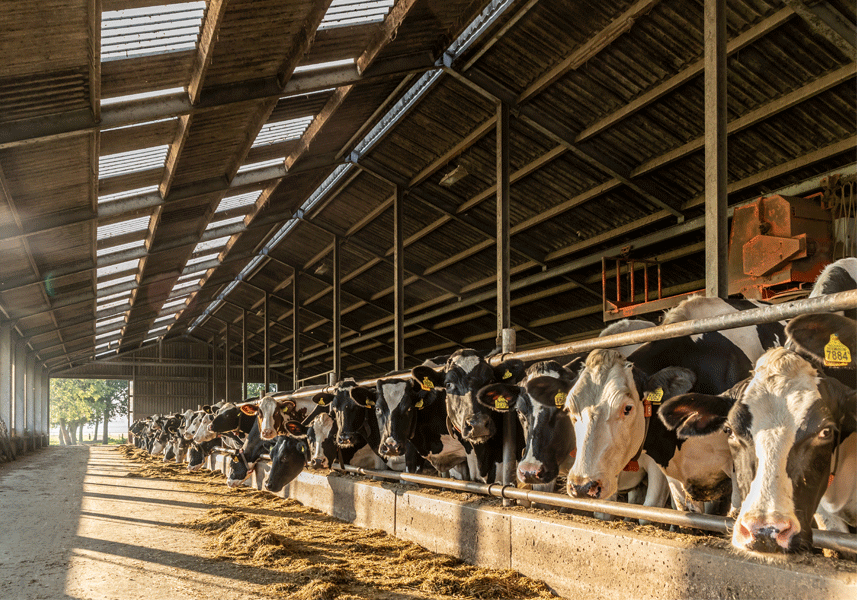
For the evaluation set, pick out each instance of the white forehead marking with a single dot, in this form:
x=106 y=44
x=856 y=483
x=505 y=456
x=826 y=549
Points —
x=605 y=385
x=467 y=363
x=782 y=393
x=393 y=394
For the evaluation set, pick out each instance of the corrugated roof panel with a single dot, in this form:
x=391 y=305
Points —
x=232 y=202
x=108 y=250
x=119 y=267
x=348 y=13
x=123 y=227
x=274 y=133
x=132 y=161
x=209 y=246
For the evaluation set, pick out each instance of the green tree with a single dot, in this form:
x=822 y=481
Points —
x=78 y=401
x=255 y=390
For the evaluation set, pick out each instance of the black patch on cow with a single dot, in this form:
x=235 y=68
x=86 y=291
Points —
x=837 y=280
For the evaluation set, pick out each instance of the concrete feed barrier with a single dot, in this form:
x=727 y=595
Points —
x=575 y=559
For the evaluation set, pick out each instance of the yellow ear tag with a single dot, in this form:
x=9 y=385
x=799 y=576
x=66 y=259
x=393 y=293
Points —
x=370 y=403
x=501 y=403
x=559 y=399
x=507 y=374
x=836 y=354
x=419 y=404
x=321 y=402
x=656 y=396
x=427 y=384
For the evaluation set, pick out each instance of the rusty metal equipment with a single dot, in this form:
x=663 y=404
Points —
x=777 y=244
x=625 y=307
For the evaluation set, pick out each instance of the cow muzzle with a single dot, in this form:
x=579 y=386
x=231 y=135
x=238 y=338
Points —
x=584 y=489
x=318 y=463
x=345 y=440
x=769 y=534
x=391 y=447
x=478 y=429
x=532 y=472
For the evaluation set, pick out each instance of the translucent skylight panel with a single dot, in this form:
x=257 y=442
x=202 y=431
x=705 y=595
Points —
x=199 y=259
x=188 y=277
x=132 y=161
x=183 y=284
x=114 y=303
x=246 y=199
x=331 y=64
x=173 y=304
x=128 y=265
x=142 y=95
x=282 y=131
x=157 y=329
x=110 y=321
x=107 y=333
x=212 y=245
x=104 y=345
x=123 y=227
x=102 y=252
x=224 y=222
x=104 y=284
x=164 y=319
x=125 y=295
x=127 y=194
x=150 y=30
x=103 y=354
x=259 y=165
x=140 y=124
x=343 y=13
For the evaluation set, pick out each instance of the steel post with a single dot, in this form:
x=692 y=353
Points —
x=296 y=329
x=398 y=280
x=7 y=395
x=337 y=308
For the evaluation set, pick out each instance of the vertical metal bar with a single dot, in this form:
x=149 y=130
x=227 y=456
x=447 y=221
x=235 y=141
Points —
x=30 y=401
x=266 y=352
x=646 y=281
x=505 y=335
x=337 y=323
x=226 y=362
x=6 y=358
x=618 y=282
x=631 y=277
x=604 y=284
x=214 y=370
x=660 y=289
x=20 y=382
x=716 y=272
x=243 y=354
x=399 y=279
x=296 y=330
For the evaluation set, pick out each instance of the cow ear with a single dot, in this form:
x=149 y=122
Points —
x=426 y=378
x=695 y=414
x=844 y=398
x=363 y=396
x=499 y=396
x=323 y=399
x=810 y=336
x=296 y=429
x=549 y=391
x=249 y=409
x=206 y=409
x=287 y=406
x=509 y=371
x=669 y=382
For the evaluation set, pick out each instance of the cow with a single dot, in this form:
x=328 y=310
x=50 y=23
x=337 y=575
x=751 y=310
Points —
x=274 y=412
x=198 y=452
x=838 y=276
x=412 y=420
x=789 y=428
x=321 y=436
x=289 y=456
x=241 y=466
x=614 y=401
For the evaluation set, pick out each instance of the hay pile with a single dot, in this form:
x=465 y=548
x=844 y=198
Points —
x=322 y=558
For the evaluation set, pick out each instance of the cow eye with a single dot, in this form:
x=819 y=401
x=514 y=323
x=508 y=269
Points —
x=727 y=430
x=628 y=408
x=826 y=433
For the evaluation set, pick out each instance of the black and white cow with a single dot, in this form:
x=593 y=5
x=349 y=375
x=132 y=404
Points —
x=197 y=453
x=838 y=276
x=242 y=464
x=789 y=427
x=289 y=456
x=274 y=411
x=412 y=420
x=614 y=402
x=321 y=436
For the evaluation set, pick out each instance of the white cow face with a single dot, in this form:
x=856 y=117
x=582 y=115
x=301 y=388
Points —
x=608 y=421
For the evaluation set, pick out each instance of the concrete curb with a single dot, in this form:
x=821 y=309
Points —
x=573 y=558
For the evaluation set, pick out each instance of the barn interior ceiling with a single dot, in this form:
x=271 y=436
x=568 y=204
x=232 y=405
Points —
x=164 y=165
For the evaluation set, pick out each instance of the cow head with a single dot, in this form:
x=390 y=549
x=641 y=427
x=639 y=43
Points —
x=465 y=373
x=540 y=403
x=288 y=457
x=351 y=406
x=607 y=410
x=783 y=425
x=399 y=404
x=321 y=443
x=271 y=414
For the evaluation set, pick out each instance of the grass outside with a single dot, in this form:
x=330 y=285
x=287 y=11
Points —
x=112 y=441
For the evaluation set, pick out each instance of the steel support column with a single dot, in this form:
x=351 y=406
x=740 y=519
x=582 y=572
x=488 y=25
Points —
x=30 y=401
x=337 y=308
x=214 y=370
x=505 y=335
x=399 y=280
x=46 y=403
x=716 y=268
x=243 y=354
x=6 y=377
x=296 y=329
x=226 y=361
x=266 y=350
x=20 y=382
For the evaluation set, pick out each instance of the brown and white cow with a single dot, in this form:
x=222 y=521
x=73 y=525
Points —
x=273 y=413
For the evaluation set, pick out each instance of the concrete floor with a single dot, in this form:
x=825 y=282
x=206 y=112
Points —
x=73 y=527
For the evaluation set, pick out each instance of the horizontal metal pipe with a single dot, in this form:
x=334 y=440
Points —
x=753 y=316
x=223 y=450
x=831 y=540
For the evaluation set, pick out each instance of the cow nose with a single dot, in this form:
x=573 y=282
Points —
x=268 y=434
x=317 y=463
x=531 y=472
x=343 y=440
x=588 y=489
x=392 y=447
x=772 y=533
